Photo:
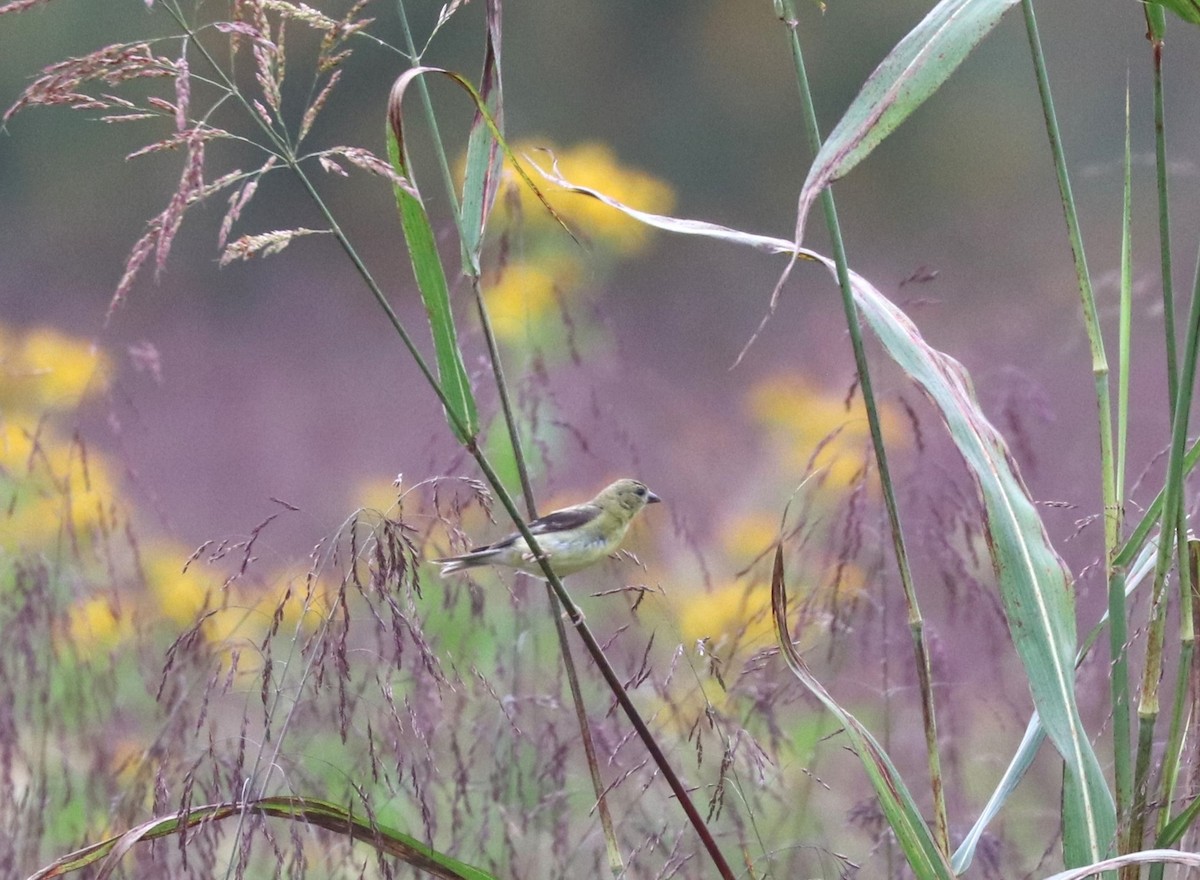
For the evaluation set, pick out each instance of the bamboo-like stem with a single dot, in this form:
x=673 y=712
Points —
x=1155 y=28
x=1148 y=705
x=1180 y=709
x=916 y=622
x=1109 y=468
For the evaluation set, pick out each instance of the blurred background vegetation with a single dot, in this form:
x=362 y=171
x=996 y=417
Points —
x=209 y=395
x=280 y=380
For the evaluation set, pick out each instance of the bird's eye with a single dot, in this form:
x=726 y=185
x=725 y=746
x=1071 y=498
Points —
x=640 y=490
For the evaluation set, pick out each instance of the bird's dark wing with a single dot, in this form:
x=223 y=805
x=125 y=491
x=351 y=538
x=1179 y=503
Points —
x=558 y=521
x=562 y=520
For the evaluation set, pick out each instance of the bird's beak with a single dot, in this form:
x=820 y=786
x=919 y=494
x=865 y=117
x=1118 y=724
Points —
x=651 y=498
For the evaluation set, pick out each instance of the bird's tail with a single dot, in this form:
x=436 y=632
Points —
x=452 y=564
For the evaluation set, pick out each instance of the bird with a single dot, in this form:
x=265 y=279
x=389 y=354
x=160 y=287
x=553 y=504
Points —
x=572 y=538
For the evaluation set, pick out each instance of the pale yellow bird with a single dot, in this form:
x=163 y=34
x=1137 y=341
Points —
x=572 y=538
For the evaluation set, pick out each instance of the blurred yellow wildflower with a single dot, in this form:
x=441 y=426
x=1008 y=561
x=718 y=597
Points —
x=730 y=617
x=44 y=369
x=298 y=597
x=235 y=626
x=52 y=487
x=816 y=428
x=749 y=536
x=181 y=595
x=526 y=295
x=593 y=165
x=377 y=495
x=98 y=623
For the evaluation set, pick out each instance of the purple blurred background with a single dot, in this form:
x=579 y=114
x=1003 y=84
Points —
x=281 y=379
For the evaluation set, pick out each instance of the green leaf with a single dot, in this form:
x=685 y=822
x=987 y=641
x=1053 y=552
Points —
x=1033 y=583
x=1188 y=10
x=1035 y=734
x=911 y=72
x=1037 y=598
x=903 y=815
x=431 y=278
x=482 y=176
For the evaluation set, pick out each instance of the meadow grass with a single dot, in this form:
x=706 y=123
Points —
x=743 y=708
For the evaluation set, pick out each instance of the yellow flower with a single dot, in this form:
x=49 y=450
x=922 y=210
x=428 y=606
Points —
x=377 y=495
x=730 y=617
x=749 y=536
x=181 y=595
x=46 y=369
x=50 y=487
x=296 y=596
x=817 y=429
x=98 y=623
x=524 y=296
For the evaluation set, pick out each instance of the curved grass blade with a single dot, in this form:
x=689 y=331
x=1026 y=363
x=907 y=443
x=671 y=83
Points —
x=305 y=810
x=1145 y=857
x=1035 y=734
x=482 y=176
x=427 y=264
x=910 y=73
x=903 y=816
x=1033 y=583
x=431 y=280
x=1037 y=598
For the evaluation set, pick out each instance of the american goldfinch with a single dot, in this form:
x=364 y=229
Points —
x=572 y=538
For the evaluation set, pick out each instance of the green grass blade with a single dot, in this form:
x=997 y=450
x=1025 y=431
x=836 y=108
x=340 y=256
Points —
x=1188 y=10
x=1174 y=830
x=481 y=179
x=1117 y=612
x=911 y=72
x=903 y=816
x=1033 y=582
x=308 y=811
x=431 y=278
x=1034 y=736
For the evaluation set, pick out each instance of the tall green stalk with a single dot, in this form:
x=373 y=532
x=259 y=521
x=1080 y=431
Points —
x=616 y=862
x=1156 y=24
x=1115 y=577
x=1180 y=710
x=1148 y=705
x=916 y=622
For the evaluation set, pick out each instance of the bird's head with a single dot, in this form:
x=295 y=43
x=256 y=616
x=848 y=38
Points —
x=629 y=496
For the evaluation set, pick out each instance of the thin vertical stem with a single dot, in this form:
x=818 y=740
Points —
x=1181 y=711
x=1115 y=576
x=1148 y=705
x=1155 y=27
x=916 y=622
x=615 y=861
